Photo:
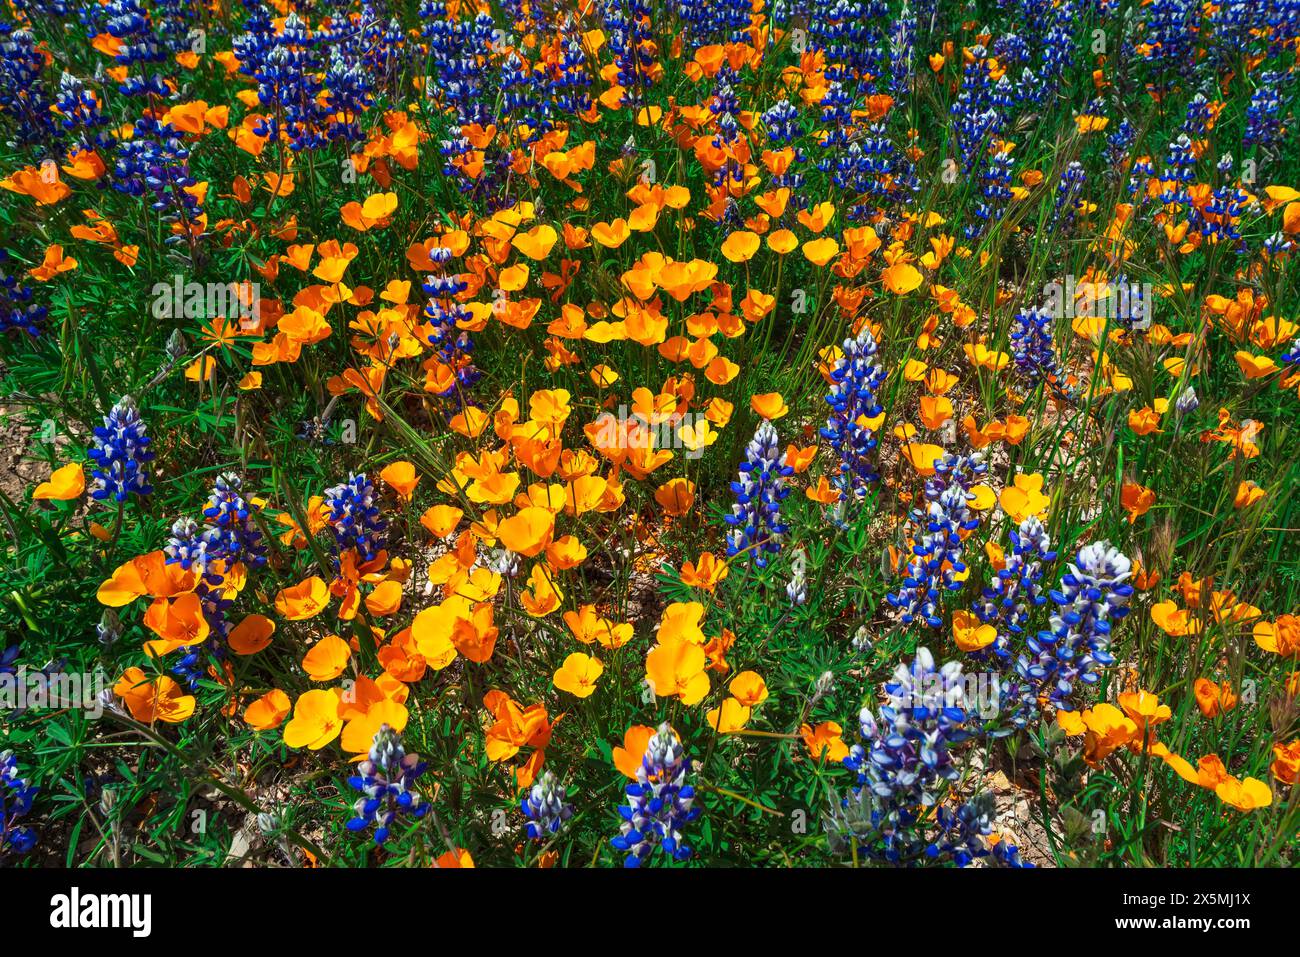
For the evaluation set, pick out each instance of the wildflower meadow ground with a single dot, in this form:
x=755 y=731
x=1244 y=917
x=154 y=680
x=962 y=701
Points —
x=649 y=433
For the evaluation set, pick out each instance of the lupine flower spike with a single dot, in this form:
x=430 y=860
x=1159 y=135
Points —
x=660 y=803
x=385 y=780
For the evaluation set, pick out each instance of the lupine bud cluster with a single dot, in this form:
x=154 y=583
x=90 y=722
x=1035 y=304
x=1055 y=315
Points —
x=1187 y=402
x=545 y=807
x=797 y=588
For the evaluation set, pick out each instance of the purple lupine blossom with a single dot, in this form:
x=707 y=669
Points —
x=546 y=807
x=659 y=804
x=1094 y=594
x=904 y=763
x=756 y=523
x=937 y=538
x=120 y=449
x=385 y=780
x=354 y=516
x=856 y=381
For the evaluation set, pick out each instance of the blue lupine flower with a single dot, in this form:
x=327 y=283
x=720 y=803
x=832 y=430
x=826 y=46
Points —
x=964 y=833
x=1264 y=112
x=975 y=121
x=290 y=80
x=1143 y=169
x=452 y=345
x=904 y=763
x=545 y=807
x=187 y=545
x=230 y=536
x=171 y=20
x=154 y=162
x=1170 y=33
x=354 y=517
x=937 y=540
x=349 y=93
x=1071 y=184
x=756 y=517
x=121 y=450
x=16 y=796
x=1012 y=50
x=1292 y=355
x=81 y=114
x=1180 y=171
x=1215 y=221
x=385 y=780
x=519 y=89
x=849 y=33
x=1198 y=116
x=659 y=804
x=1057 y=44
x=569 y=81
x=17 y=310
x=782 y=122
x=995 y=193
x=1118 y=143
x=380 y=46
x=837 y=117
x=1031 y=345
x=631 y=40
x=455 y=57
x=128 y=22
x=22 y=95
x=856 y=380
x=901 y=52
x=1094 y=594
x=1015 y=592
x=233 y=532
x=723 y=21
x=876 y=171
x=7 y=659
